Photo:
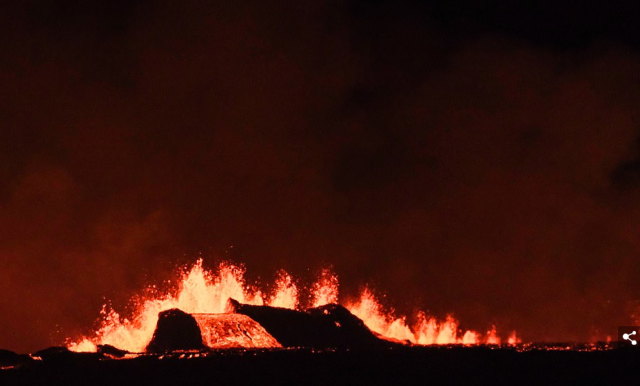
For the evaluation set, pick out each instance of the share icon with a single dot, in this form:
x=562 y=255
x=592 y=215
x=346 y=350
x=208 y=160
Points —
x=628 y=337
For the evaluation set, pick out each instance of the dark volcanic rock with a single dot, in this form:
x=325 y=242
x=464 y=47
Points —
x=351 y=330
x=111 y=351
x=176 y=330
x=8 y=358
x=433 y=365
x=329 y=326
x=53 y=353
x=63 y=356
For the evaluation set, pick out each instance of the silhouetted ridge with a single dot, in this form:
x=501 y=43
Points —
x=328 y=326
x=176 y=330
x=62 y=356
x=8 y=358
x=111 y=351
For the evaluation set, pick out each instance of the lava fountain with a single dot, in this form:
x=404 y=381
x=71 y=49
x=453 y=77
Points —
x=202 y=291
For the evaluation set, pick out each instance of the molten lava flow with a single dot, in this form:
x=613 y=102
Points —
x=233 y=331
x=205 y=292
x=369 y=310
x=426 y=331
x=513 y=339
x=200 y=292
x=325 y=290
x=286 y=295
x=492 y=336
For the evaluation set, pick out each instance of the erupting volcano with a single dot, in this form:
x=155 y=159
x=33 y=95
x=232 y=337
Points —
x=203 y=291
x=389 y=192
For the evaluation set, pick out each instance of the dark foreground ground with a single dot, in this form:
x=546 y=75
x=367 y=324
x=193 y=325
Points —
x=398 y=366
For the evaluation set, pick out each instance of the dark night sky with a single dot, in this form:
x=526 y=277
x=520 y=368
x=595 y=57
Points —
x=477 y=159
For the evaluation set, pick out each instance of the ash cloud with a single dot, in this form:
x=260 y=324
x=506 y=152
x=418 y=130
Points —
x=460 y=168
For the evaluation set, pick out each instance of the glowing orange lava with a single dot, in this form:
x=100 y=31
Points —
x=325 y=290
x=206 y=292
x=286 y=295
x=426 y=331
